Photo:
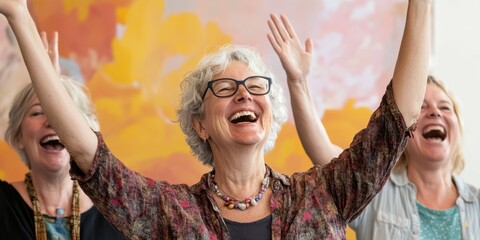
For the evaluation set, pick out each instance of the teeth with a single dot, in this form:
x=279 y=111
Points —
x=242 y=114
x=432 y=128
x=50 y=138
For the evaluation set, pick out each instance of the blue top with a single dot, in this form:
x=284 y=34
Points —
x=439 y=224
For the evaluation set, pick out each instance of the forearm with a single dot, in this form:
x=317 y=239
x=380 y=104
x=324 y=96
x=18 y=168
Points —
x=61 y=112
x=411 y=70
x=310 y=129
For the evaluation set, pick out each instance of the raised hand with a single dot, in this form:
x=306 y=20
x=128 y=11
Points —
x=295 y=60
x=52 y=49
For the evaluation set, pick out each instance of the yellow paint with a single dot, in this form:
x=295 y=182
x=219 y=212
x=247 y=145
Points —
x=81 y=6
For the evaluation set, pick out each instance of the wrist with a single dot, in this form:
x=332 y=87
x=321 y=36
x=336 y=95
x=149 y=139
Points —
x=297 y=83
x=16 y=14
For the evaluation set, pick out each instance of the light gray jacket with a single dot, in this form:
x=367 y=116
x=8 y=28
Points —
x=393 y=213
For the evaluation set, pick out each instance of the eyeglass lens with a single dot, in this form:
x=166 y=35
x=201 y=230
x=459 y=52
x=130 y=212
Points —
x=227 y=87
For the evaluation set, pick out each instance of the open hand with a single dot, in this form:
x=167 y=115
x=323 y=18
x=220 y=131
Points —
x=295 y=60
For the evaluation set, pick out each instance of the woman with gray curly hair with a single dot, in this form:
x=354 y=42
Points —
x=197 y=83
x=231 y=111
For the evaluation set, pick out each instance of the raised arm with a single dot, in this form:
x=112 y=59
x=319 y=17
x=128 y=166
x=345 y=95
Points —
x=63 y=115
x=296 y=62
x=411 y=70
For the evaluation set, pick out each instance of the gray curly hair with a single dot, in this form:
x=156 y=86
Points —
x=20 y=105
x=194 y=84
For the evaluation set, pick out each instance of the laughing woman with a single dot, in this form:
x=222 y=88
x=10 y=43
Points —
x=231 y=111
x=48 y=204
x=424 y=198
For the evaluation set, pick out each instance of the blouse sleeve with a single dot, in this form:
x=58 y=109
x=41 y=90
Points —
x=360 y=171
x=128 y=200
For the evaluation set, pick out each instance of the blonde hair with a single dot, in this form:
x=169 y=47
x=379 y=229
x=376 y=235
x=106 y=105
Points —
x=20 y=104
x=458 y=158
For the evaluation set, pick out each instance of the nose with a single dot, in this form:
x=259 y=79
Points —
x=434 y=112
x=47 y=123
x=242 y=94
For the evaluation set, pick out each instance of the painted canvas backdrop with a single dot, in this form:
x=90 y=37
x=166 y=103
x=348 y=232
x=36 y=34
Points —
x=132 y=55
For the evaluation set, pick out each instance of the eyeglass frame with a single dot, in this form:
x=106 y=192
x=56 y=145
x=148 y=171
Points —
x=238 y=82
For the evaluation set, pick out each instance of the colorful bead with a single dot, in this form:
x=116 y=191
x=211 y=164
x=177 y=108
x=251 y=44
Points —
x=232 y=203
x=242 y=206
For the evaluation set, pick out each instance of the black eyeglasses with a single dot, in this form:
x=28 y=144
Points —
x=227 y=87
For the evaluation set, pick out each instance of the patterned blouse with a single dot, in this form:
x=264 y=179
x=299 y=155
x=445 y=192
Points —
x=316 y=204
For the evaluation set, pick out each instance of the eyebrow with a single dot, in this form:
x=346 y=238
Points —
x=447 y=101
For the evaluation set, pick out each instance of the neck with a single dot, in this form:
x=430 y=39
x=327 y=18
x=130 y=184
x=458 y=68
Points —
x=40 y=227
x=240 y=180
x=53 y=191
x=239 y=163
x=435 y=188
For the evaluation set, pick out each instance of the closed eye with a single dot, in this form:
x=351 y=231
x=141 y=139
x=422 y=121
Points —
x=36 y=114
x=447 y=108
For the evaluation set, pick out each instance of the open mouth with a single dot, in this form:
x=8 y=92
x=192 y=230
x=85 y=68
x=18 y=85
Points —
x=242 y=117
x=434 y=132
x=52 y=142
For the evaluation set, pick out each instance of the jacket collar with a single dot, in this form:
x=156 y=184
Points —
x=400 y=178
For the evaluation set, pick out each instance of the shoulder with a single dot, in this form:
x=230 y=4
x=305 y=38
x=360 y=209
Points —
x=467 y=192
x=15 y=189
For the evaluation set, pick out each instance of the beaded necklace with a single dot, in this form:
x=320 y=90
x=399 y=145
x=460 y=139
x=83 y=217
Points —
x=233 y=203
x=40 y=231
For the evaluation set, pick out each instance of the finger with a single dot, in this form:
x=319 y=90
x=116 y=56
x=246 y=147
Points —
x=289 y=29
x=275 y=35
x=274 y=44
x=280 y=28
x=309 y=45
x=54 y=46
x=43 y=35
x=56 y=55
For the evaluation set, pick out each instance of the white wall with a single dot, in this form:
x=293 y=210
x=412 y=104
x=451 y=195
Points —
x=456 y=61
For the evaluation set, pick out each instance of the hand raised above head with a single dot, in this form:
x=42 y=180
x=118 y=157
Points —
x=52 y=49
x=295 y=60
